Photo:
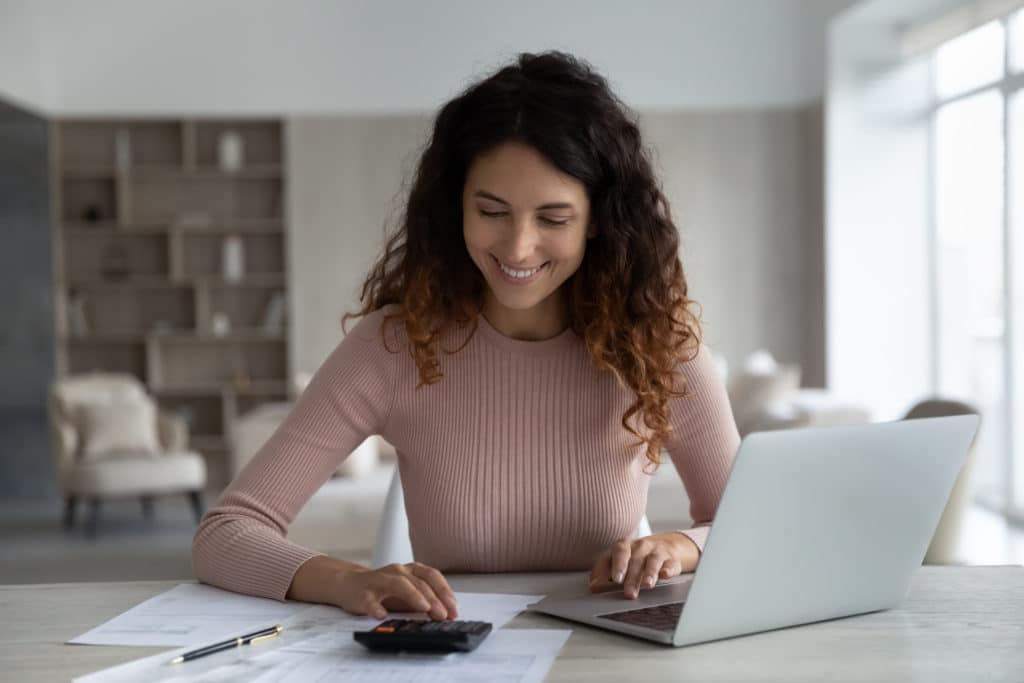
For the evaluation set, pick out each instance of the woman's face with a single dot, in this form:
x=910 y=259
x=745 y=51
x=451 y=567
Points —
x=526 y=226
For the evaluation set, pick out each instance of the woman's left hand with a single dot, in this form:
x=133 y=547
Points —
x=639 y=562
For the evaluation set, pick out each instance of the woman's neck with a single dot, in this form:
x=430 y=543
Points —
x=547 y=319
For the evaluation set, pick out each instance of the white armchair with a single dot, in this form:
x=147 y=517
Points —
x=109 y=441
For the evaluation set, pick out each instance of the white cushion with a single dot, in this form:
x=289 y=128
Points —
x=759 y=387
x=167 y=473
x=118 y=429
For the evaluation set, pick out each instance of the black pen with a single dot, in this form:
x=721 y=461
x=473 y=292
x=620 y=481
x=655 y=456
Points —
x=228 y=644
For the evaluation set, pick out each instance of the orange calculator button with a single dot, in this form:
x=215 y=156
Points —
x=385 y=629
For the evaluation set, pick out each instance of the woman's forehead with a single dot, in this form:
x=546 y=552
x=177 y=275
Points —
x=517 y=174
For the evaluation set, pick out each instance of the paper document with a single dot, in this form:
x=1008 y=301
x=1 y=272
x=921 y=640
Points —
x=308 y=628
x=506 y=656
x=196 y=614
x=187 y=614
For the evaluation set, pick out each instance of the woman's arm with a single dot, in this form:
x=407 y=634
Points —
x=240 y=544
x=703 y=441
x=702 y=445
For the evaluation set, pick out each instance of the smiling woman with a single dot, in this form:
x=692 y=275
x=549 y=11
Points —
x=538 y=255
x=525 y=254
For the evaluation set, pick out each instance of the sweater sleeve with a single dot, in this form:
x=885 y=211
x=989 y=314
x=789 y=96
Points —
x=703 y=441
x=240 y=544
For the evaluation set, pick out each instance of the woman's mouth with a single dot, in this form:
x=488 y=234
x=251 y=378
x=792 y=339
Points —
x=519 y=276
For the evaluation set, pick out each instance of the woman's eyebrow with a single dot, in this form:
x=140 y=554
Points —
x=550 y=205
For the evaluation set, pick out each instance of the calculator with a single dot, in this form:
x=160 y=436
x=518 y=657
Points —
x=424 y=636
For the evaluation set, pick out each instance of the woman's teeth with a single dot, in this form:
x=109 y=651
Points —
x=519 y=273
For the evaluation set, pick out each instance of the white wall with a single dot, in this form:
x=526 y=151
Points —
x=879 y=344
x=310 y=56
x=345 y=182
x=25 y=79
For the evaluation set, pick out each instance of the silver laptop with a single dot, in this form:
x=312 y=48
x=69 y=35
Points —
x=814 y=524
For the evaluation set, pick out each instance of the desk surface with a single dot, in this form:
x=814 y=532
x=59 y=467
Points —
x=957 y=624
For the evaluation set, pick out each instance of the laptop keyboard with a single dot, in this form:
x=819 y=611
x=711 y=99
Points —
x=660 y=617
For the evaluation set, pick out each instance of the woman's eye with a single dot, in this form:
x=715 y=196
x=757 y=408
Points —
x=498 y=214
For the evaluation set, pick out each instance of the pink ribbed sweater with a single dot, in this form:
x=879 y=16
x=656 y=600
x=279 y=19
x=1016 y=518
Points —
x=515 y=461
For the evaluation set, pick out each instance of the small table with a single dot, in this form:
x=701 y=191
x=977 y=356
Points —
x=957 y=624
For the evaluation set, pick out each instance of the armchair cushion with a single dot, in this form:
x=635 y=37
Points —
x=118 y=429
x=169 y=473
x=758 y=388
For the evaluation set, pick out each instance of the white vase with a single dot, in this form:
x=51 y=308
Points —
x=220 y=324
x=230 y=151
x=233 y=258
x=122 y=150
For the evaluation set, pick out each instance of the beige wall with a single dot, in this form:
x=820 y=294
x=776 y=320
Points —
x=745 y=188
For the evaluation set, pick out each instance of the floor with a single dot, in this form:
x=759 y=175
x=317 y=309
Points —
x=341 y=519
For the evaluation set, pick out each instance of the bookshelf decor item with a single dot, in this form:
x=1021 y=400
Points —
x=233 y=258
x=169 y=263
x=220 y=324
x=230 y=151
x=123 y=149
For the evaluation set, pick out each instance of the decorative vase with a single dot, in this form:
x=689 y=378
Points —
x=220 y=324
x=122 y=150
x=233 y=257
x=230 y=151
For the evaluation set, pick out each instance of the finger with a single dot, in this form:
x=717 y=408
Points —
x=670 y=568
x=439 y=584
x=601 y=573
x=652 y=568
x=367 y=602
x=631 y=584
x=621 y=553
x=437 y=609
x=401 y=594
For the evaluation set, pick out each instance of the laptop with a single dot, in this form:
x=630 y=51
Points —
x=814 y=524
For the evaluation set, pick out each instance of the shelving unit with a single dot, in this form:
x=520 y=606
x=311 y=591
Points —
x=141 y=211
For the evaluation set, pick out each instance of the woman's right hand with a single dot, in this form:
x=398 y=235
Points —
x=412 y=587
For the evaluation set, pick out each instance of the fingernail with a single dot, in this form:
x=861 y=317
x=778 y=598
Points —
x=649 y=581
x=618 y=577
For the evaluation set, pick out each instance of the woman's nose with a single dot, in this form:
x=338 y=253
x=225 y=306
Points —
x=521 y=243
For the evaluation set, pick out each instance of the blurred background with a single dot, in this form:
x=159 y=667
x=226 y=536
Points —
x=191 y=194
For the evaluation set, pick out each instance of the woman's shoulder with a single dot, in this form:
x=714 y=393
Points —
x=383 y=325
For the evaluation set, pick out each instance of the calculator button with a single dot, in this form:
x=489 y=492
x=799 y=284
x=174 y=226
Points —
x=385 y=629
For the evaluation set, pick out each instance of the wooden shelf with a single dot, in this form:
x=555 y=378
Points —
x=172 y=172
x=258 y=280
x=131 y=281
x=108 y=230
x=147 y=199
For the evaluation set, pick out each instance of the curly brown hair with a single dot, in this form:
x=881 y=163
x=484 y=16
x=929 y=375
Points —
x=628 y=299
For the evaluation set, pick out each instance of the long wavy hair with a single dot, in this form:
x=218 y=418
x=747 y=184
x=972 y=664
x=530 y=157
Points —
x=628 y=299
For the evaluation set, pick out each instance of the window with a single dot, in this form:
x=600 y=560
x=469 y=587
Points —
x=978 y=185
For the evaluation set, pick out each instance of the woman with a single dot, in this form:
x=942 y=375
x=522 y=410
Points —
x=528 y=347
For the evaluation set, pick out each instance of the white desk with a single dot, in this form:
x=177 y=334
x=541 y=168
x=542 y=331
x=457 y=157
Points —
x=958 y=624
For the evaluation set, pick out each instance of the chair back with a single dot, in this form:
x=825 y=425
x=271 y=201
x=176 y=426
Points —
x=68 y=394
x=937 y=407
x=943 y=548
